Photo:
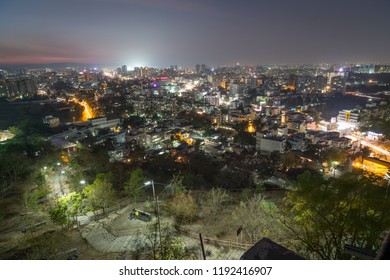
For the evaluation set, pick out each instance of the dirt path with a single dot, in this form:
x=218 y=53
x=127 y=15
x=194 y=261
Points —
x=117 y=234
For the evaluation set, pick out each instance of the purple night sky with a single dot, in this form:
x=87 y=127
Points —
x=188 y=32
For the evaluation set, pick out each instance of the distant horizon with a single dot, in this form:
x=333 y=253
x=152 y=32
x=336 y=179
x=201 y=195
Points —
x=130 y=67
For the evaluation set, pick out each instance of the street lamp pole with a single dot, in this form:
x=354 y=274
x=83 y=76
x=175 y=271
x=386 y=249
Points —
x=157 y=212
x=334 y=165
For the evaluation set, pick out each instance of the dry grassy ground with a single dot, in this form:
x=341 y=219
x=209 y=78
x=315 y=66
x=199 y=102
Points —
x=18 y=240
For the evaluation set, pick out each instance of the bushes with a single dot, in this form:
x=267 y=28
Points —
x=183 y=207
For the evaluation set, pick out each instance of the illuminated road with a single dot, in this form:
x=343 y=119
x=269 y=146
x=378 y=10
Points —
x=57 y=187
x=87 y=113
x=359 y=94
x=370 y=145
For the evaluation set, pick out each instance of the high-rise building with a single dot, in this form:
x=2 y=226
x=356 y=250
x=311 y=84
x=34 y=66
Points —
x=350 y=117
x=253 y=83
x=293 y=81
x=303 y=84
x=201 y=69
x=319 y=83
x=337 y=84
x=197 y=69
x=139 y=72
x=21 y=87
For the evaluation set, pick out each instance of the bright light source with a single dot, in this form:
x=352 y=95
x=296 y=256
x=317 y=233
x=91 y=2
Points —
x=82 y=182
x=147 y=183
x=58 y=163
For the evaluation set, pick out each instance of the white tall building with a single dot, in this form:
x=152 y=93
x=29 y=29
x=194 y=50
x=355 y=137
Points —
x=348 y=117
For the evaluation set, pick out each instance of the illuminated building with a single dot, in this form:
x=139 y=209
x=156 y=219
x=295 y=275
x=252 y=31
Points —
x=283 y=119
x=299 y=126
x=320 y=83
x=212 y=100
x=18 y=88
x=253 y=83
x=337 y=84
x=374 y=136
x=292 y=81
x=103 y=122
x=237 y=116
x=251 y=127
x=348 y=118
x=216 y=119
x=304 y=84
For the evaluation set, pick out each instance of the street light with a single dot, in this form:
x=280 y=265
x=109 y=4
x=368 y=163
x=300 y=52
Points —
x=334 y=165
x=157 y=206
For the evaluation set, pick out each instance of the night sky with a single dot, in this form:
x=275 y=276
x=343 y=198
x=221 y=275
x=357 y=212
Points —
x=189 y=32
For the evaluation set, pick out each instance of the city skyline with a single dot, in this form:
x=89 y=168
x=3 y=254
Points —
x=185 y=33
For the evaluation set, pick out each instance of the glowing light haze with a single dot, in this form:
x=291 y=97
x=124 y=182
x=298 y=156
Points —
x=187 y=32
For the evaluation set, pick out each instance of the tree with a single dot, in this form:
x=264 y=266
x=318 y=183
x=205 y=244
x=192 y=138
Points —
x=291 y=160
x=245 y=138
x=176 y=184
x=44 y=247
x=13 y=167
x=334 y=155
x=100 y=194
x=30 y=201
x=184 y=207
x=217 y=199
x=90 y=161
x=275 y=158
x=40 y=182
x=133 y=186
x=258 y=218
x=365 y=151
x=326 y=215
x=234 y=179
x=171 y=247
x=66 y=209
x=15 y=131
x=58 y=214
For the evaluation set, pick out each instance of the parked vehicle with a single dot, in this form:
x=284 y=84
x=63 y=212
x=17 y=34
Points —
x=140 y=215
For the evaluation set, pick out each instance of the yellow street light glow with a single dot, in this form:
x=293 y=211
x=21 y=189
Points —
x=87 y=113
